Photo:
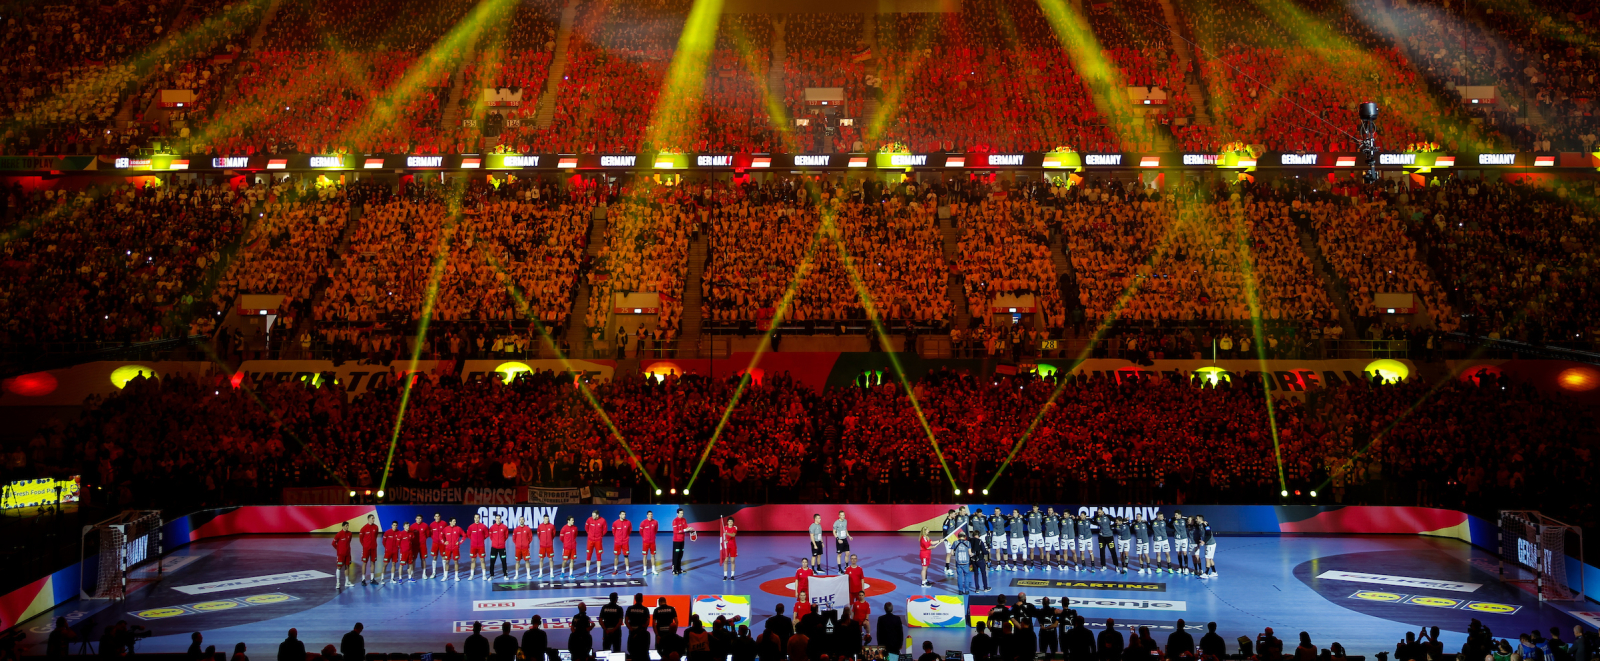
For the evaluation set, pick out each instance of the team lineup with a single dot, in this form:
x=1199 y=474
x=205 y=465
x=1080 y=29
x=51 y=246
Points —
x=974 y=544
x=428 y=550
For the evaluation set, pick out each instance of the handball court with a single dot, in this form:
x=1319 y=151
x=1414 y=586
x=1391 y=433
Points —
x=1284 y=582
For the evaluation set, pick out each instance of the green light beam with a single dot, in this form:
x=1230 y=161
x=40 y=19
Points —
x=435 y=274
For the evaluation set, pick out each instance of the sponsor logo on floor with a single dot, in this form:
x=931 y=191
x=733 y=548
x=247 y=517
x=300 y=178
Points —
x=556 y=603
x=1407 y=581
x=253 y=582
x=573 y=584
x=1063 y=584
x=1128 y=604
x=1432 y=601
x=1592 y=617
x=213 y=606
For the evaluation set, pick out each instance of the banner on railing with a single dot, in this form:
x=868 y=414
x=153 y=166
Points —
x=555 y=496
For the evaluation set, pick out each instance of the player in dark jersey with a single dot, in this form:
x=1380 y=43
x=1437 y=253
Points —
x=1160 y=548
x=1085 y=542
x=997 y=538
x=1102 y=525
x=1141 y=542
x=1017 y=531
x=1034 y=526
x=1124 y=530
x=1052 y=539
x=1180 y=542
x=1194 y=546
x=1208 y=549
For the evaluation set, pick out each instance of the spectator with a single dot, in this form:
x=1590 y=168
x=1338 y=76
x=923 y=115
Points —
x=1179 y=642
x=291 y=649
x=477 y=646
x=353 y=646
x=891 y=630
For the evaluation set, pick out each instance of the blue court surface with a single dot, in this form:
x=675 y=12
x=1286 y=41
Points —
x=1362 y=591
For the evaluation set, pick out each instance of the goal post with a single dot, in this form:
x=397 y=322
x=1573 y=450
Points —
x=120 y=544
x=1535 y=548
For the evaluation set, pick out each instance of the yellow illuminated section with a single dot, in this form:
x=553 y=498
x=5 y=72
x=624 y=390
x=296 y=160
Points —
x=510 y=371
x=1391 y=371
x=122 y=375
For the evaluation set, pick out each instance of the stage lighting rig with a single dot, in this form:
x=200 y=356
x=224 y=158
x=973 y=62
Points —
x=1368 y=130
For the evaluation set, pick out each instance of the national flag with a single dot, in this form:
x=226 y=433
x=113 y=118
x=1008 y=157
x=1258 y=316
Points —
x=862 y=55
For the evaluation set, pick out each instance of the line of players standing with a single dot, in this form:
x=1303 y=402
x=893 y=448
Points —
x=976 y=543
x=408 y=549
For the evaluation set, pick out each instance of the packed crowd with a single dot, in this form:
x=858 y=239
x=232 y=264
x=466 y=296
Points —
x=1104 y=436
x=1188 y=257
x=1515 y=259
x=65 y=282
x=824 y=250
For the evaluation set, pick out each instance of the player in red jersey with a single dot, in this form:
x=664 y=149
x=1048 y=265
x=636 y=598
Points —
x=369 y=549
x=420 y=534
x=341 y=552
x=925 y=555
x=861 y=611
x=476 y=534
x=391 y=552
x=680 y=533
x=802 y=577
x=594 y=530
x=802 y=605
x=497 y=546
x=408 y=553
x=730 y=549
x=547 y=546
x=438 y=526
x=621 y=531
x=569 y=547
x=647 y=543
x=522 y=539
x=857 y=574
x=448 y=541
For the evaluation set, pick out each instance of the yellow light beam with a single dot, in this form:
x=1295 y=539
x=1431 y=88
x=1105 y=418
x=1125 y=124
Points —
x=685 y=81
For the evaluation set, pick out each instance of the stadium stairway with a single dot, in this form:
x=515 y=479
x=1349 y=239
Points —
x=558 y=67
x=689 y=329
x=956 y=287
x=1180 y=47
x=1338 y=292
x=577 y=329
x=1065 y=272
x=780 y=55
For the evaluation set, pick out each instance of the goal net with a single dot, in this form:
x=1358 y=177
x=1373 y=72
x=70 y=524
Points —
x=1535 y=547
x=120 y=544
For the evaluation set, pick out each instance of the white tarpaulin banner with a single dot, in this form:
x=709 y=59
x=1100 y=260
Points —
x=829 y=592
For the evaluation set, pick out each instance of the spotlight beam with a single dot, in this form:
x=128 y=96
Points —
x=435 y=274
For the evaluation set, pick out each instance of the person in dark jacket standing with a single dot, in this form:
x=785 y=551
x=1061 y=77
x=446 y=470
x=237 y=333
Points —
x=1078 y=642
x=1179 y=642
x=781 y=625
x=535 y=642
x=982 y=646
x=1211 y=643
x=611 y=625
x=891 y=630
x=353 y=646
x=505 y=644
x=1109 y=642
x=291 y=649
x=581 y=642
x=637 y=619
x=477 y=647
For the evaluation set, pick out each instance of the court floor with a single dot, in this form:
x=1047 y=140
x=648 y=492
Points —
x=1362 y=591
